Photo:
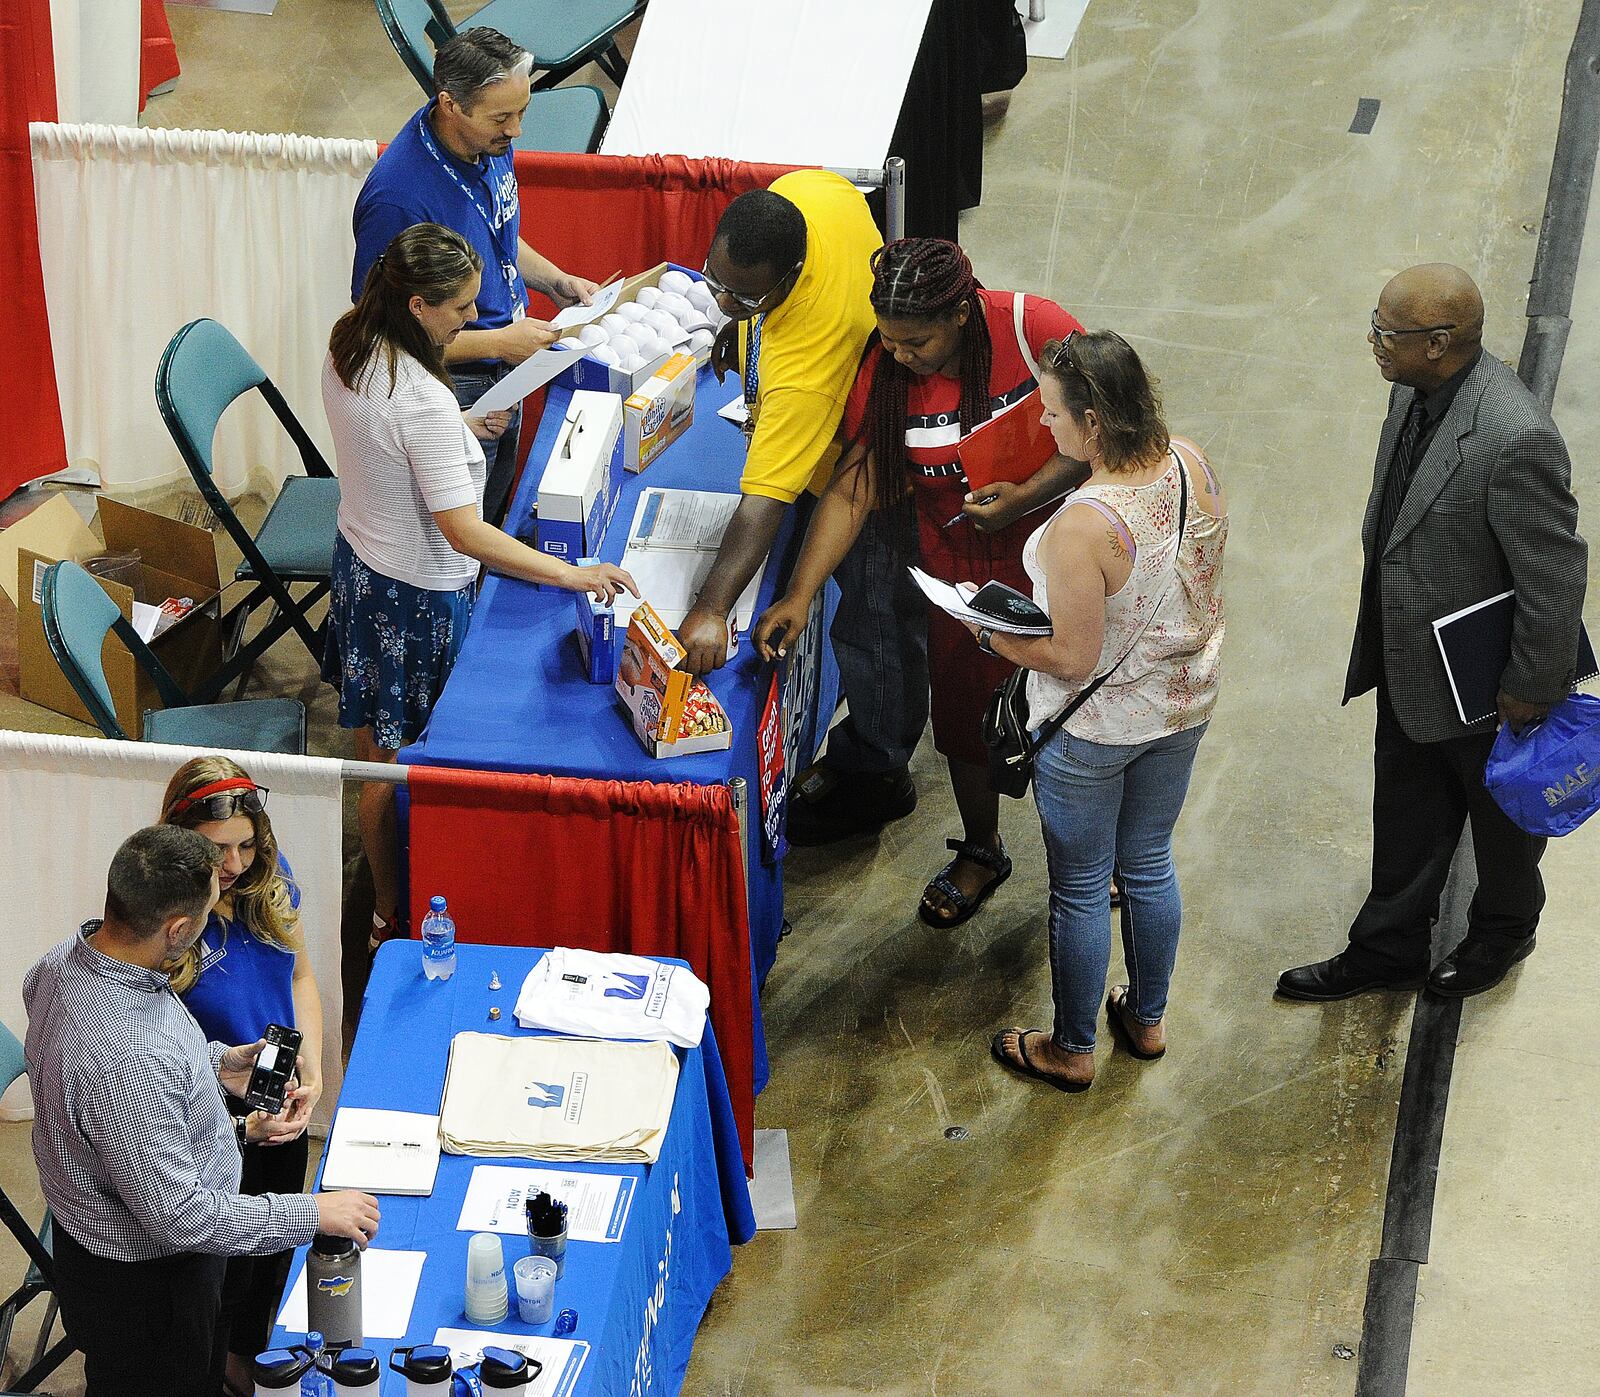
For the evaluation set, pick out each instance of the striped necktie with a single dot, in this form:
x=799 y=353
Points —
x=1402 y=470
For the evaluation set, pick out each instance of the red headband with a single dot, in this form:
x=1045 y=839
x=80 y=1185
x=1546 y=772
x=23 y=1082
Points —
x=231 y=783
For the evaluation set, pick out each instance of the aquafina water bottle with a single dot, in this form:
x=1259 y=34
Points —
x=438 y=942
x=315 y=1382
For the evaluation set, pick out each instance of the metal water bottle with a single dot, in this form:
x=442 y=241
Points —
x=333 y=1290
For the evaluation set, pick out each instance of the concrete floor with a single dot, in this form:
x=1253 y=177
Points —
x=1202 y=1224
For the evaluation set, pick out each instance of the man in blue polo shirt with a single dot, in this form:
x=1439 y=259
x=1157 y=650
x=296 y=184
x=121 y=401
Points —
x=451 y=164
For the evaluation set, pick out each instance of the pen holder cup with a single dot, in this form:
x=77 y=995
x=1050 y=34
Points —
x=554 y=1246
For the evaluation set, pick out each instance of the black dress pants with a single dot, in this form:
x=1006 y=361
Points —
x=1422 y=795
x=253 y=1289
x=146 y=1328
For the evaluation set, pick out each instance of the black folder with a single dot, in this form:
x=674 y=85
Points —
x=1476 y=645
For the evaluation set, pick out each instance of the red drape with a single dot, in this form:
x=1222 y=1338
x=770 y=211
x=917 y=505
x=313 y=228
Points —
x=650 y=869
x=158 y=55
x=35 y=444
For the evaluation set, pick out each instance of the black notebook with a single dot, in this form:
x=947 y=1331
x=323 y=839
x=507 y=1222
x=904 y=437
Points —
x=1476 y=645
x=1008 y=606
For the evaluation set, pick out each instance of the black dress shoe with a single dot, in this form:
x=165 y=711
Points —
x=832 y=805
x=1477 y=965
x=1340 y=978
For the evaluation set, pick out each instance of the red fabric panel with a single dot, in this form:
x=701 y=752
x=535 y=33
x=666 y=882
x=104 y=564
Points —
x=158 y=55
x=635 y=866
x=35 y=444
x=594 y=215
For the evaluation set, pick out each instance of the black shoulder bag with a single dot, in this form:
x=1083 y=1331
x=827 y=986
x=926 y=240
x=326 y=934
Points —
x=1012 y=749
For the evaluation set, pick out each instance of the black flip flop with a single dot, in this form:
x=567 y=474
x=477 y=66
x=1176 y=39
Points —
x=942 y=883
x=1119 y=1027
x=1020 y=1064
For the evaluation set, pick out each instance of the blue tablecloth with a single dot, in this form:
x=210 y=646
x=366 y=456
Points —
x=639 y=1300
x=517 y=699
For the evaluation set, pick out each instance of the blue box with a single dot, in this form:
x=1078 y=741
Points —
x=597 y=636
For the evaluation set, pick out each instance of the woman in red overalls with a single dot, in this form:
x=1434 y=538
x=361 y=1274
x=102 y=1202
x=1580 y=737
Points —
x=948 y=355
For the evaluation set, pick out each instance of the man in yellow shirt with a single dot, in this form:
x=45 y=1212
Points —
x=792 y=265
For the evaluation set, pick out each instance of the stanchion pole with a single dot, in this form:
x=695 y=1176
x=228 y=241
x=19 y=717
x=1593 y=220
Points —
x=894 y=179
x=739 y=793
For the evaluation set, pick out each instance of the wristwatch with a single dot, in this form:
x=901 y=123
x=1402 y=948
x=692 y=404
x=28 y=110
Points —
x=241 y=1129
x=985 y=635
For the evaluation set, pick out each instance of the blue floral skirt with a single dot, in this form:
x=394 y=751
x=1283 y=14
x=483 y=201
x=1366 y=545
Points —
x=390 y=648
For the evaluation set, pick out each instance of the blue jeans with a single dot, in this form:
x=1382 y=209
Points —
x=472 y=381
x=1104 y=807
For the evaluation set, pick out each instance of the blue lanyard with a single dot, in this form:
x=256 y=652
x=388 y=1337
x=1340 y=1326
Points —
x=508 y=262
x=752 y=361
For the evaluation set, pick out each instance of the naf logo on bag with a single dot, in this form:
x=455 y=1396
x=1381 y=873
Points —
x=1573 y=782
x=545 y=1095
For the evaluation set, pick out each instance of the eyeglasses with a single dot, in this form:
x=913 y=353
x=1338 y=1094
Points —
x=1387 y=335
x=221 y=800
x=747 y=302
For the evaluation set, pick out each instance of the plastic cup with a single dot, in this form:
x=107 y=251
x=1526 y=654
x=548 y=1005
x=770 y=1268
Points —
x=486 y=1279
x=536 y=1288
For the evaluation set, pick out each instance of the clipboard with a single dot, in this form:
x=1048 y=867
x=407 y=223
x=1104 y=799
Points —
x=1011 y=447
x=1475 y=644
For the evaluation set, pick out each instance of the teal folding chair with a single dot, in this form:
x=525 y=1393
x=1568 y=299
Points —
x=40 y=1277
x=569 y=120
x=203 y=371
x=78 y=615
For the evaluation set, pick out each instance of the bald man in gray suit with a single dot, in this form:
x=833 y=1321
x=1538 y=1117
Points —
x=1471 y=497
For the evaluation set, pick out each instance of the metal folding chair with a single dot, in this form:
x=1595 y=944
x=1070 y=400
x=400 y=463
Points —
x=40 y=1277
x=78 y=615
x=562 y=35
x=202 y=372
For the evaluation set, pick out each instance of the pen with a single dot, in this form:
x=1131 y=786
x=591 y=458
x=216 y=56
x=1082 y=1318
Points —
x=987 y=499
x=388 y=1144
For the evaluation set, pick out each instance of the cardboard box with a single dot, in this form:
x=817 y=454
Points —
x=663 y=700
x=176 y=560
x=660 y=412
x=603 y=378
x=597 y=635
x=578 y=490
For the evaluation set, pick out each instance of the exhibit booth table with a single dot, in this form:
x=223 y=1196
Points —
x=639 y=1298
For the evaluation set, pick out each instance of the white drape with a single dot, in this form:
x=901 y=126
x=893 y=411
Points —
x=66 y=803
x=96 y=50
x=141 y=231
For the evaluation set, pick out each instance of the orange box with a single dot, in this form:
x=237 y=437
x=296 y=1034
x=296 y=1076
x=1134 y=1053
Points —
x=666 y=703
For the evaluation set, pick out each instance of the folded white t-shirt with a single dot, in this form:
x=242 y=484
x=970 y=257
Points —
x=557 y=1098
x=605 y=995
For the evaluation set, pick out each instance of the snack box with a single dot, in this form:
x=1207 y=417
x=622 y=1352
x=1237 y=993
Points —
x=659 y=413
x=582 y=478
x=674 y=714
x=597 y=635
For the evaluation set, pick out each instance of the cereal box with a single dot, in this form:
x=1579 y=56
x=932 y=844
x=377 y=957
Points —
x=673 y=713
x=659 y=412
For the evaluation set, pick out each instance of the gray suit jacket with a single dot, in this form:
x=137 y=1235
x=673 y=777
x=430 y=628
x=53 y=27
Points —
x=1489 y=510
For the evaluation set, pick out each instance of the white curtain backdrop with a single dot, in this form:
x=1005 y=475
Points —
x=96 y=50
x=142 y=231
x=66 y=803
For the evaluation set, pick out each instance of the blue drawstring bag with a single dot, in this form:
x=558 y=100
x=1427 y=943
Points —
x=1548 y=780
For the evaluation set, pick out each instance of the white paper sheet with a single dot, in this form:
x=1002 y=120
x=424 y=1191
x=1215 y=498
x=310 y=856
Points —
x=145 y=619
x=670 y=578
x=388 y=1290
x=604 y=299
x=735 y=412
x=597 y=1204
x=395 y=1152
x=528 y=377
x=563 y=1359
x=764 y=82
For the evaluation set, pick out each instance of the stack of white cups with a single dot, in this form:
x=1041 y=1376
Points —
x=487 y=1300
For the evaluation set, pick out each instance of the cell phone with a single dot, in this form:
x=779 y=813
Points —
x=274 y=1069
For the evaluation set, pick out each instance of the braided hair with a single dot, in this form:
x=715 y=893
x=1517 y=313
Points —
x=917 y=279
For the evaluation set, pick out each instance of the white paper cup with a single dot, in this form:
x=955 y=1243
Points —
x=486 y=1279
x=536 y=1288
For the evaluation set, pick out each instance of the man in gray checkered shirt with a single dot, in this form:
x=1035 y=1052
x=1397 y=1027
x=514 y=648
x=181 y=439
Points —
x=137 y=1152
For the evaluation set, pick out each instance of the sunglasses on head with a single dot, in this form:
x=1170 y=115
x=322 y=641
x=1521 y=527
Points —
x=220 y=800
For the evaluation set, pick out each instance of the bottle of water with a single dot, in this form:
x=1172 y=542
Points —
x=438 y=942
x=315 y=1383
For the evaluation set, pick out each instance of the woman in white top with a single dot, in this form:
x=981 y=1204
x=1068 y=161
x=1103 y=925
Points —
x=411 y=529
x=1127 y=596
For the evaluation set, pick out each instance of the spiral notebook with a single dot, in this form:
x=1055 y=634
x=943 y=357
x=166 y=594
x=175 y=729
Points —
x=1475 y=644
x=393 y=1152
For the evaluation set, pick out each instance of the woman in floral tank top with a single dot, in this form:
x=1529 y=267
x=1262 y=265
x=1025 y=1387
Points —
x=1135 y=597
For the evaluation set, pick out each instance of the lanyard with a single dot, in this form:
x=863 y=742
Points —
x=752 y=362
x=508 y=262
